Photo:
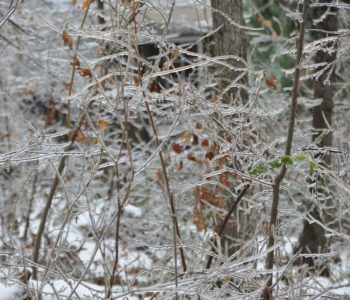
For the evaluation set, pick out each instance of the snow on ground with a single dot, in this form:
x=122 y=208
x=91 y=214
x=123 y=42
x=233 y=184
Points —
x=11 y=291
x=56 y=289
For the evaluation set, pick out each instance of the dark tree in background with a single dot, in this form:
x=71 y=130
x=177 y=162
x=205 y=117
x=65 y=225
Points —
x=312 y=238
x=100 y=6
x=230 y=40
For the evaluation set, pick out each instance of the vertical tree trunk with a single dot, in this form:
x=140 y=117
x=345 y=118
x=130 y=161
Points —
x=100 y=5
x=230 y=39
x=312 y=238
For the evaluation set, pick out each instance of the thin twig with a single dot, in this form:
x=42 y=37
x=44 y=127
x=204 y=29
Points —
x=280 y=176
x=44 y=215
x=121 y=203
x=71 y=82
x=8 y=15
x=165 y=174
x=227 y=217
x=34 y=186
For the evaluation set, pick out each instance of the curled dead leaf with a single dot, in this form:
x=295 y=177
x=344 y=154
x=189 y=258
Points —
x=81 y=137
x=86 y=72
x=271 y=82
x=214 y=98
x=75 y=62
x=177 y=148
x=67 y=40
x=102 y=124
x=209 y=155
x=191 y=157
x=175 y=53
x=166 y=65
x=205 y=143
x=87 y=4
x=137 y=80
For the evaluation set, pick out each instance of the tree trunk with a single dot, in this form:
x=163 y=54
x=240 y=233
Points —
x=100 y=5
x=312 y=238
x=229 y=40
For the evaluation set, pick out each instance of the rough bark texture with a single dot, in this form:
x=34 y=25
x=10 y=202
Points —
x=312 y=238
x=229 y=40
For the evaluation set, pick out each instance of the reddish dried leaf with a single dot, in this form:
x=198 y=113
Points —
x=191 y=157
x=271 y=82
x=205 y=143
x=154 y=87
x=210 y=155
x=206 y=194
x=137 y=80
x=51 y=115
x=86 y=73
x=177 y=148
x=223 y=177
x=228 y=138
x=74 y=2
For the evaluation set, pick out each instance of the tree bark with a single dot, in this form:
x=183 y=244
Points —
x=312 y=238
x=230 y=40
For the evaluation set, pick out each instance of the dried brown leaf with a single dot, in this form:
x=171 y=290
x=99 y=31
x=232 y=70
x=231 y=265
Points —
x=87 y=3
x=67 y=40
x=102 y=124
x=86 y=72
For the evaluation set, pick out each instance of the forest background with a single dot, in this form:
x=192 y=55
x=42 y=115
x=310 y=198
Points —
x=162 y=149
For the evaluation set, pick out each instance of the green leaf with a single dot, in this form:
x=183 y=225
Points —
x=259 y=170
x=277 y=163
x=326 y=181
x=287 y=160
x=300 y=157
x=313 y=167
